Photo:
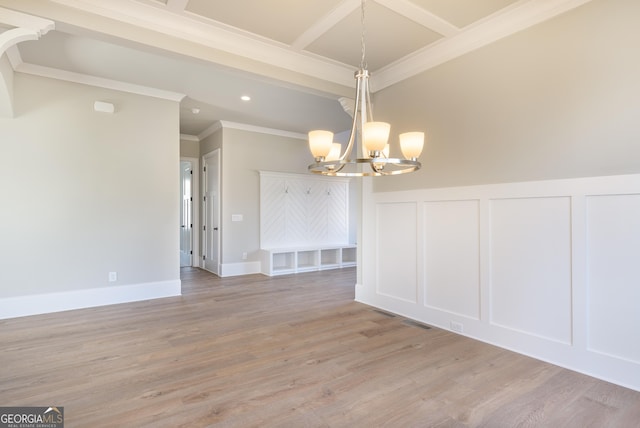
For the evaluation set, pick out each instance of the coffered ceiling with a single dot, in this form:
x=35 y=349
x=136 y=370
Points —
x=300 y=55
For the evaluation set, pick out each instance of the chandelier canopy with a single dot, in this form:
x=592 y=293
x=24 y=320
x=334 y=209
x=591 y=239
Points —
x=371 y=136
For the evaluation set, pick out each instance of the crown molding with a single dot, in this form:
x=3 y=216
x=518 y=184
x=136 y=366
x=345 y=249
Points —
x=251 y=128
x=187 y=137
x=100 y=82
x=221 y=124
x=262 y=130
x=226 y=45
x=217 y=126
x=189 y=27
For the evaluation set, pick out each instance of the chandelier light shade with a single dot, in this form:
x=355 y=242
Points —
x=411 y=144
x=375 y=136
x=320 y=143
x=372 y=137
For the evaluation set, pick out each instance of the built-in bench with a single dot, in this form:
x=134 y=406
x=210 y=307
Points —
x=279 y=261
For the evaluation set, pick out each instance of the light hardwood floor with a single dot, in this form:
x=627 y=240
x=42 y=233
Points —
x=291 y=351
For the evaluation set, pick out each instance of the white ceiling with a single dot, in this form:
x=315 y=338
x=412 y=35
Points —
x=293 y=57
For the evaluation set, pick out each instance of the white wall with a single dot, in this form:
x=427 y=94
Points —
x=546 y=268
x=85 y=194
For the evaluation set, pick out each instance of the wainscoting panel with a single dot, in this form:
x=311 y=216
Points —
x=613 y=280
x=396 y=256
x=452 y=257
x=531 y=266
x=550 y=269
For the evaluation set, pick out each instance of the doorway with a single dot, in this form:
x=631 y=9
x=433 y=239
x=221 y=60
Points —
x=211 y=227
x=189 y=241
x=186 y=214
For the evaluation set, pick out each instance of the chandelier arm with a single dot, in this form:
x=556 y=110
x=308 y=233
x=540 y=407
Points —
x=354 y=125
x=369 y=109
x=363 y=87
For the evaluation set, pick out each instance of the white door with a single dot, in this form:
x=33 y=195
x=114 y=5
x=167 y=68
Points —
x=211 y=226
x=186 y=213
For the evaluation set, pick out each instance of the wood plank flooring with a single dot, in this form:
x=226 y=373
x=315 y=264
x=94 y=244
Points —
x=291 y=351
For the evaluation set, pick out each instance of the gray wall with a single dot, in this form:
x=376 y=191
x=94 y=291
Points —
x=189 y=148
x=210 y=143
x=86 y=193
x=244 y=154
x=559 y=100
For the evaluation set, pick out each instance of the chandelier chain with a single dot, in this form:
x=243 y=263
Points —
x=363 y=63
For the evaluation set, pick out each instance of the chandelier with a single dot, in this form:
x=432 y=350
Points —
x=372 y=138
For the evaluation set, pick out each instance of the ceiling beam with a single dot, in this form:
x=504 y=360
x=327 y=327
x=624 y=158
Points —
x=326 y=23
x=510 y=20
x=420 y=16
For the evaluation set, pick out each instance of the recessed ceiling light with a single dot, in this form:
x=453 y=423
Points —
x=245 y=98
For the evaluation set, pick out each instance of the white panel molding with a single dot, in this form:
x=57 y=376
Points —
x=13 y=307
x=452 y=256
x=530 y=266
x=396 y=262
x=595 y=221
x=612 y=289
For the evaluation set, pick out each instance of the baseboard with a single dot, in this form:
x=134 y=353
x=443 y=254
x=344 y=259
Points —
x=237 y=269
x=13 y=307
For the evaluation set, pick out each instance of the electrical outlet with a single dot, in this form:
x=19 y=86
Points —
x=244 y=256
x=457 y=327
x=113 y=276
